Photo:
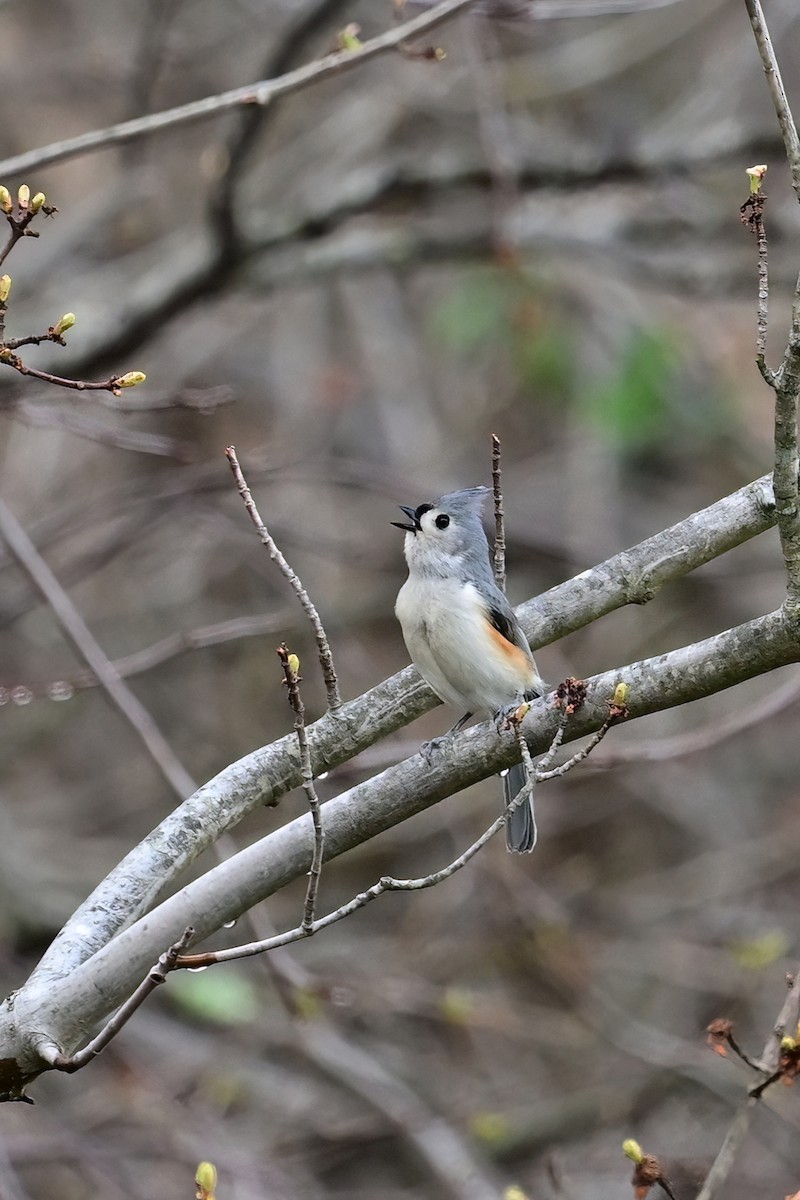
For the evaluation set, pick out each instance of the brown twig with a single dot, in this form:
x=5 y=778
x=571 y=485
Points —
x=323 y=646
x=157 y=975
x=740 y=1126
x=752 y=217
x=499 y=555
x=291 y=666
x=113 y=385
x=19 y=220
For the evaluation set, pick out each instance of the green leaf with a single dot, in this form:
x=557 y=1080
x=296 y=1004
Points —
x=218 y=995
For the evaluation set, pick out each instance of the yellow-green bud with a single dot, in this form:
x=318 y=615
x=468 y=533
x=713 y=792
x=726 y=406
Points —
x=293 y=663
x=24 y=195
x=621 y=693
x=632 y=1150
x=206 y=1180
x=756 y=176
x=348 y=37
x=131 y=379
x=5 y=287
x=37 y=201
x=514 y=1193
x=65 y=323
x=6 y=203
x=6 y=356
x=788 y=1043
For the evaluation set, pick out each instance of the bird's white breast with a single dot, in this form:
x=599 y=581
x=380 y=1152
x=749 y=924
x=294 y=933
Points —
x=450 y=642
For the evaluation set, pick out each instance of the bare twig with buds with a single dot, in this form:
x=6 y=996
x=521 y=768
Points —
x=19 y=218
x=291 y=672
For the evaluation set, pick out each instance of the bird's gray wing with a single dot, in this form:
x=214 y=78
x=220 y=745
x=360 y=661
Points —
x=503 y=617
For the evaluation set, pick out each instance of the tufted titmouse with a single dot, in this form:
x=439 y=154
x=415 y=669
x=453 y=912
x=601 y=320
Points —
x=461 y=631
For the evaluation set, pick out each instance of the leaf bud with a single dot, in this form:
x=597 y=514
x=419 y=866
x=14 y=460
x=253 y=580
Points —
x=66 y=322
x=206 y=1180
x=130 y=379
x=632 y=1150
x=756 y=176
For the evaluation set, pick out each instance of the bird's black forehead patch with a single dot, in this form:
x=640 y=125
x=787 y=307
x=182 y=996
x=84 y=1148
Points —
x=423 y=508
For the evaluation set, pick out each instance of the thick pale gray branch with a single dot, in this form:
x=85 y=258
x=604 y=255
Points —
x=63 y=1014
x=262 y=777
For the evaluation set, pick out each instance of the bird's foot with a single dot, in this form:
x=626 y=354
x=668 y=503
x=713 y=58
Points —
x=510 y=715
x=430 y=749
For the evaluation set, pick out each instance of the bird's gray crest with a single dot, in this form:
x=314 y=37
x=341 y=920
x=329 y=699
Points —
x=470 y=500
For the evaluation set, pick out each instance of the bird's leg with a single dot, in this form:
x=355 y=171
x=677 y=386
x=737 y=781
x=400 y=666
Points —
x=428 y=749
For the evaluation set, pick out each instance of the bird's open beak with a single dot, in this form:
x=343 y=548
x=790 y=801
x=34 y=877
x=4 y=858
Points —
x=414 y=527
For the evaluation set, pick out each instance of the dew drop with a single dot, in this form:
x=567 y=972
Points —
x=4 y=696
x=21 y=696
x=60 y=690
x=229 y=924
x=324 y=775
x=342 y=997
x=196 y=970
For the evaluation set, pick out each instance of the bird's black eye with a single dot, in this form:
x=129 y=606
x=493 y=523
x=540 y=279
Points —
x=442 y=521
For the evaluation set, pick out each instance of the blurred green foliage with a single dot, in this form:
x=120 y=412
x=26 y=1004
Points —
x=503 y=310
x=220 y=996
x=643 y=399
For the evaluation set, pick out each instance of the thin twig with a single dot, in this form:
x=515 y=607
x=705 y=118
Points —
x=786 y=380
x=526 y=792
x=772 y=71
x=385 y=884
x=499 y=516
x=325 y=656
x=291 y=666
x=90 y=650
x=7 y=359
x=706 y=736
x=159 y=652
x=752 y=217
x=262 y=93
x=550 y=753
x=572 y=762
x=156 y=975
x=14 y=237
x=740 y=1126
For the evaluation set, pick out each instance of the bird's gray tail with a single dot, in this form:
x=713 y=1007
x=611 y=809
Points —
x=521 y=823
